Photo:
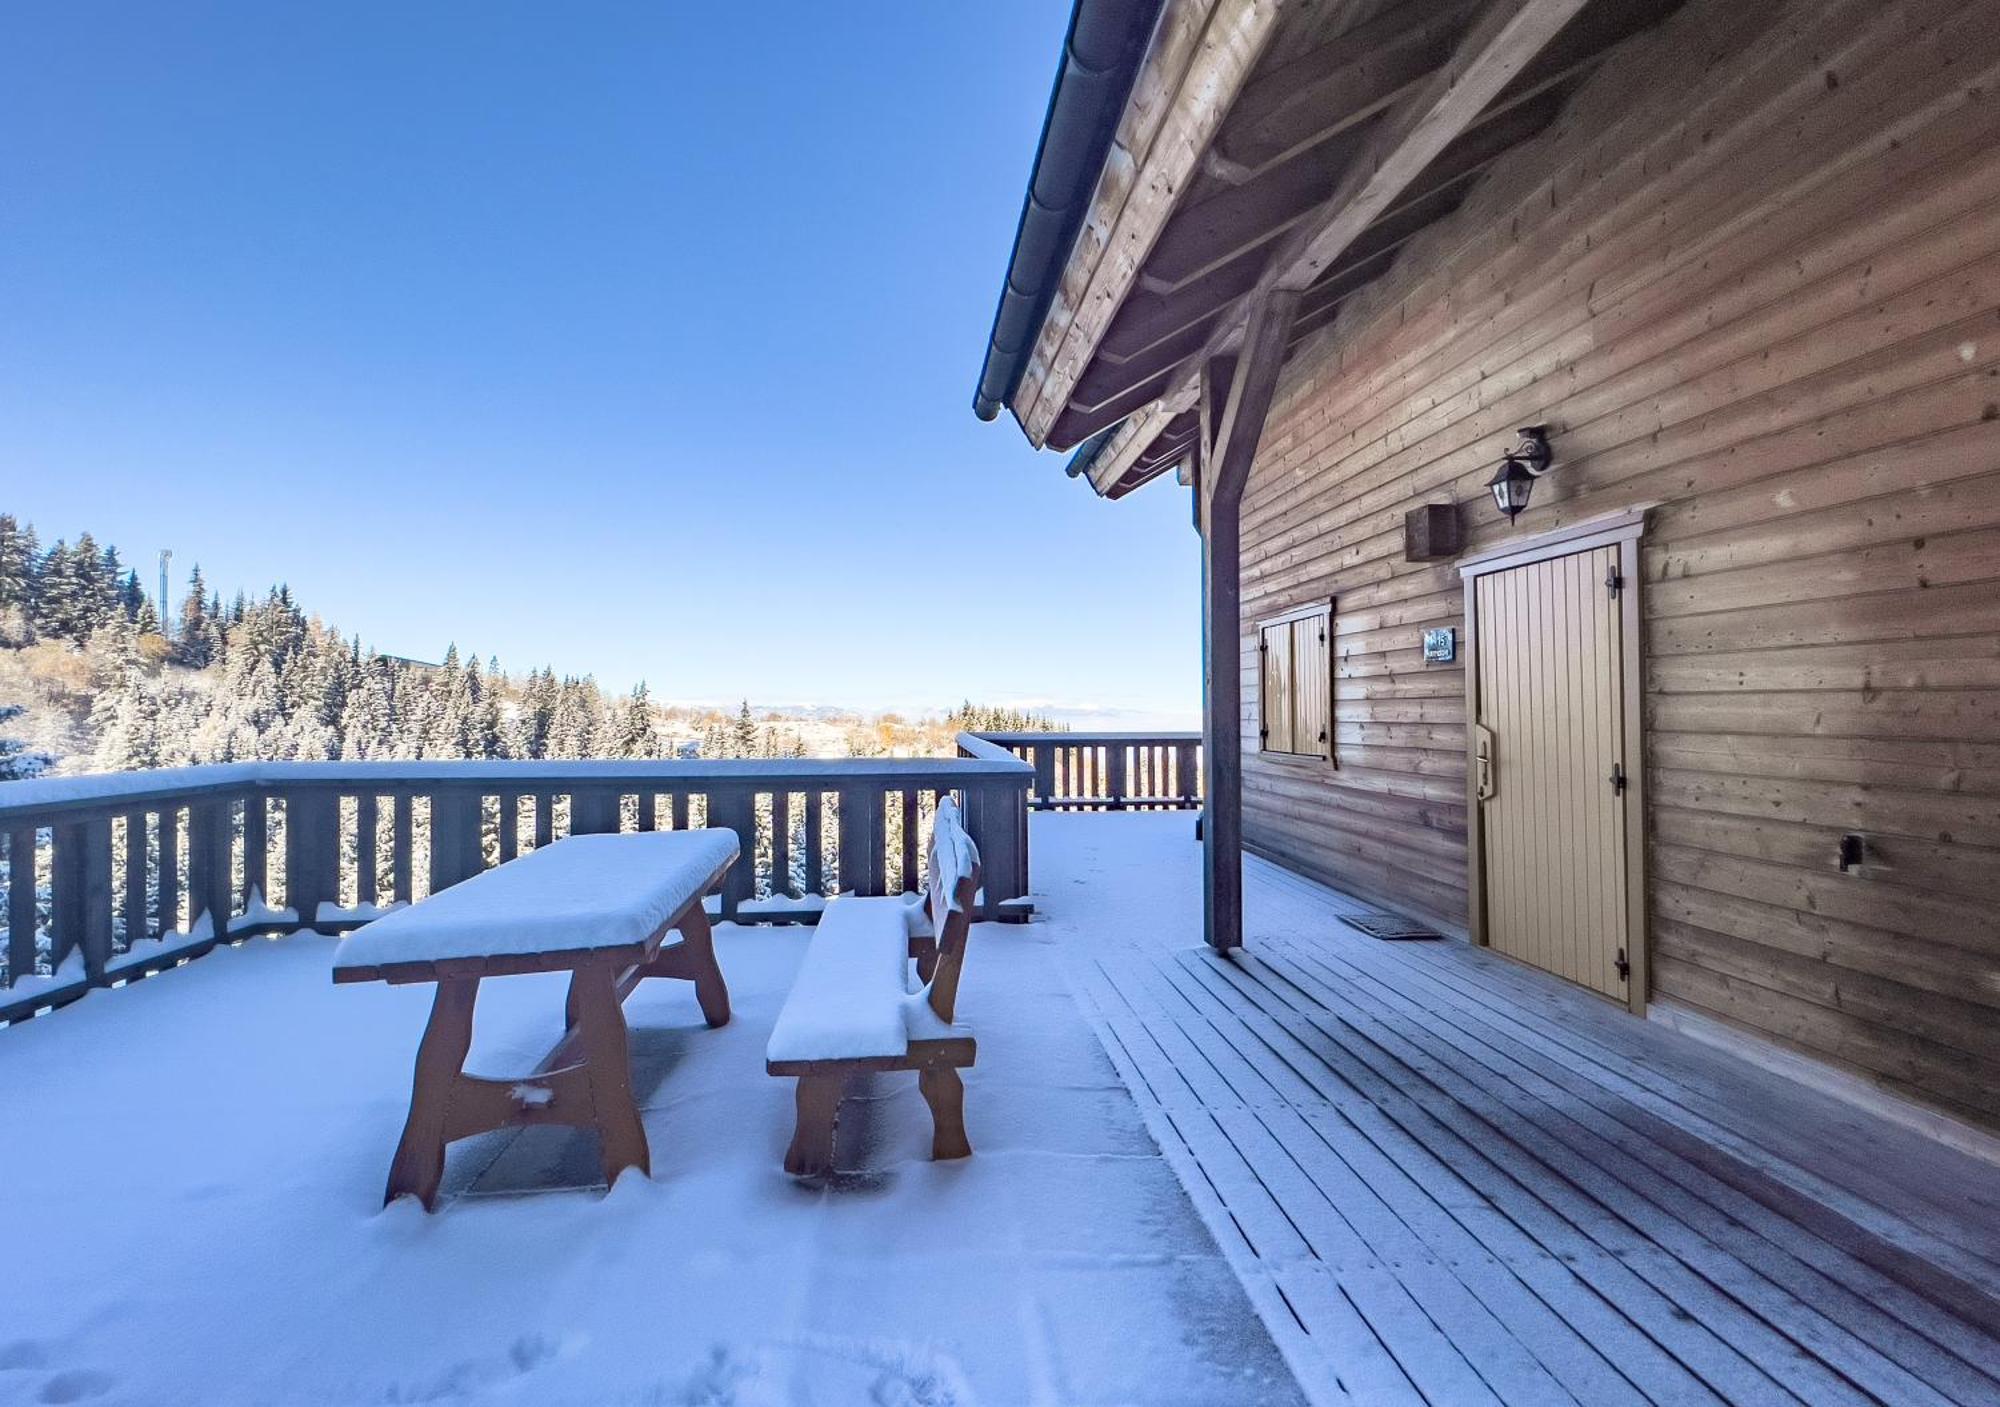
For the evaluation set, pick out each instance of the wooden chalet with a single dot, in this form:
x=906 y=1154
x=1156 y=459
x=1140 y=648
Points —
x=1709 y=724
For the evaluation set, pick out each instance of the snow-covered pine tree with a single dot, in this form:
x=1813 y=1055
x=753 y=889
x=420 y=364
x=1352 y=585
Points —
x=131 y=595
x=636 y=734
x=126 y=722
x=17 y=760
x=198 y=637
x=62 y=596
x=20 y=560
x=367 y=724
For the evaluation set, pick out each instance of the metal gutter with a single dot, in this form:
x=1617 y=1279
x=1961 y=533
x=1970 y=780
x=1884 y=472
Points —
x=1106 y=42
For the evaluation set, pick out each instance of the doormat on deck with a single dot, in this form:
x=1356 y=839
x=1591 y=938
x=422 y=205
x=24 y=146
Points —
x=1389 y=926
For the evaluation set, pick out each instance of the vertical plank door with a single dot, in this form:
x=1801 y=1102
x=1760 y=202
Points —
x=1551 y=691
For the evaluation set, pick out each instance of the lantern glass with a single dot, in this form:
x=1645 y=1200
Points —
x=1511 y=484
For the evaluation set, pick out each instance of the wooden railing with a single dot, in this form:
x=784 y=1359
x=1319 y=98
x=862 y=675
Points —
x=111 y=877
x=1109 y=771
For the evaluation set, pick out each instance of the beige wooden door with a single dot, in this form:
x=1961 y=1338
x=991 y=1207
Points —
x=1549 y=638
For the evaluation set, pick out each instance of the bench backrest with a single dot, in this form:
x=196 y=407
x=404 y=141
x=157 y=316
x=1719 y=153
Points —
x=951 y=892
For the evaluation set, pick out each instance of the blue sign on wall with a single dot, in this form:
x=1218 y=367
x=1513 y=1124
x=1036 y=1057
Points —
x=1440 y=646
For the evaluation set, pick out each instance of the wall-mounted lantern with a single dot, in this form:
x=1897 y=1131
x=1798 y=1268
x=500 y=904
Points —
x=1510 y=486
x=1514 y=480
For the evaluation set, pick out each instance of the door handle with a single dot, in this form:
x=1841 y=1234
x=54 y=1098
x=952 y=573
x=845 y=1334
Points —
x=1483 y=760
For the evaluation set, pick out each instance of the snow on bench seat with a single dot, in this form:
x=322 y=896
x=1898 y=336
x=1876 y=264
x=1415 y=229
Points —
x=582 y=893
x=848 y=1002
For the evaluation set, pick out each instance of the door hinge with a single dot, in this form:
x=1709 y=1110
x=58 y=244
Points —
x=1618 y=778
x=1614 y=580
x=1624 y=967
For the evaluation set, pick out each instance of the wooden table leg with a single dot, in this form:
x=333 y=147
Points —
x=607 y=1065
x=418 y=1166
x=944 y=1091
x=709 y=988
x=818 y=1101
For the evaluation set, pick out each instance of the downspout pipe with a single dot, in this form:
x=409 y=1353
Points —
x=1102 y=52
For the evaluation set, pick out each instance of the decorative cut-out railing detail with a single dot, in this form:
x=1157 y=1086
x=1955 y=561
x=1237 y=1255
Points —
x=1109 y=771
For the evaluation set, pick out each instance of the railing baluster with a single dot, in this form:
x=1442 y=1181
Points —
x=509 y=822
x=648 y=811
x=781 y=843
x=402 y=846
x=167 y=871
x=815 y=839
x=23 y=886
x=256 y=848
x=136 y=866
x=367 y=847
x=910 y=828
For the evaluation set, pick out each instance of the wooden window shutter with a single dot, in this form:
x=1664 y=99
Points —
x=1312 y=686
x=1276 y=648
x=1295 y=682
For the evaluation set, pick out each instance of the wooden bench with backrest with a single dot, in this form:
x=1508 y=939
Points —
x=851 y=1010
x=599 y=907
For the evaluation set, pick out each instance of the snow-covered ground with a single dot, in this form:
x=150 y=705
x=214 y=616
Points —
x=193 y=1165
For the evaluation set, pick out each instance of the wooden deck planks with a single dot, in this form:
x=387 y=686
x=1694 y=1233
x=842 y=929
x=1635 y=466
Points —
x=1463 y=1196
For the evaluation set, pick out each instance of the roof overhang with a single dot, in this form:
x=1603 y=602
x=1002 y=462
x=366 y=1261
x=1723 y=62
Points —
x=1259 y=145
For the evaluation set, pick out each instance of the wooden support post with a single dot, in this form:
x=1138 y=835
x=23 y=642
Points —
x=312 y=853
x=862 y=859
x=211 y=867
x=1236 y=427
x=734 y=808
x=455 y=852
x=593 y=811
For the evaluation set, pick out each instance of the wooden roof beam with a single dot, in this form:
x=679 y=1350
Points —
x=1441 y=188
x=1341 y=83
x=1501 y=44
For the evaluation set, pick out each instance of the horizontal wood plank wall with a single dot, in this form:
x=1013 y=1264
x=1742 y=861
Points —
x=1752 y=275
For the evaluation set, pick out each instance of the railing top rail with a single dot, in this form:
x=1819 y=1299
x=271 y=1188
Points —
x=1088 y=739
x=38 y=797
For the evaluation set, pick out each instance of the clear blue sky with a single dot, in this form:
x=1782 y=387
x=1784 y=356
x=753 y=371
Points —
x=635 y=339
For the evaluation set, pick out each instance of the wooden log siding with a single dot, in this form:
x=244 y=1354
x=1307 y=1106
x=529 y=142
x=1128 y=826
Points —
x=1752 y=276
x=440 y=823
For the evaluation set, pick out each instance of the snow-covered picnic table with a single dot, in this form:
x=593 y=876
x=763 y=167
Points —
x=596 y=906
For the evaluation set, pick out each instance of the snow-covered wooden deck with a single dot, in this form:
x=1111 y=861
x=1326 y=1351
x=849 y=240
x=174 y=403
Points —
x=1445 y=1178
x=193 y=1172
